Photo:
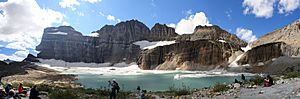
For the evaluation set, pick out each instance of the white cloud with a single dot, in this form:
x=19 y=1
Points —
x=228 y=13
x=65 y=23
x=172 y=25
x=22 y=53
x=17 y=56
x=287 y=6
x=19 y=45
x=110 y=18
x=92 y=1
x=189 y=12
x=69 y=4
x=245 y=34
x=187 y=25
x=260 y=8
x=23 y=22
x=80 y=13
x=94 y=35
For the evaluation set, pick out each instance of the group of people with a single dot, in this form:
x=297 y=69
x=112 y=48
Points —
x=268 y=81
x=114 y=86
x=8 y=92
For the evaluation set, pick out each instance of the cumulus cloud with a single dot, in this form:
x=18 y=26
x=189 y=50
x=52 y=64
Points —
x=69 y=4
x=260 y=8
x=94 y=35
x=92 y=1
x=17 y=56
x=110 y=18
x=187 y=25
x=287 y=6
x=22 y=23
x=245 y=34
x=80 y=13
x=172 y=25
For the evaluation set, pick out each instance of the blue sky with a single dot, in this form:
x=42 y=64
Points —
x=249 y=19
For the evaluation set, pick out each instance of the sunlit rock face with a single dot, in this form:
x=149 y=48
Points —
x=209 y=47
x=275 y=52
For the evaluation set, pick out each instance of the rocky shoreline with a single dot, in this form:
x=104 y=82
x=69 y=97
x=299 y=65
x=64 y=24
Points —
x=34 y=74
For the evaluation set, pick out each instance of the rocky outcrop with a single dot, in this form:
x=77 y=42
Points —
x=69 y=45
x=31 y=58
x=272 y=52
x=161 y=32
x=213 y=33
x=114 y=44
x=187 y=55
x=207 y=48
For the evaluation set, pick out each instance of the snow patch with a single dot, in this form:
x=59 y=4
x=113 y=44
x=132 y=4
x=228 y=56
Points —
x=94 y=35
x=234 y=63
x=59 y=33
x=247 y=48
x=223 y=41
x=150 y=45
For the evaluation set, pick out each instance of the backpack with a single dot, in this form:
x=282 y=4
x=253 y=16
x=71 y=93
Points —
x=117 y=87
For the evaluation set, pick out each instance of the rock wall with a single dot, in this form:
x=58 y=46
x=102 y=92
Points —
x=187 y=55
x=114 y=44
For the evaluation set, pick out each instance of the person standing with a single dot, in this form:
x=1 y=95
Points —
x=34 y=93
x=114 y=88
x=243 y=78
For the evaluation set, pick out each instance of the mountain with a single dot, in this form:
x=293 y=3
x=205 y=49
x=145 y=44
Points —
x=275 y=52
x=114 y=44
x=207 y=48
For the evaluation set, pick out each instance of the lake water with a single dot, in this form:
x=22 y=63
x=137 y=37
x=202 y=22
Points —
x=129 y=76
x=153 y=82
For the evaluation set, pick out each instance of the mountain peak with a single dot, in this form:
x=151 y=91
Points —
x=290 y=34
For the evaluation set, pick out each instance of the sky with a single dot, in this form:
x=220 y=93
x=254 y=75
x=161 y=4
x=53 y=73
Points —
x=22 y=21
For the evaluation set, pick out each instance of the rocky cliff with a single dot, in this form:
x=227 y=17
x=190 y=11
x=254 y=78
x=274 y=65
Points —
x=114 y=44
x=275 y=52
x=207 y=48
x=187 y=55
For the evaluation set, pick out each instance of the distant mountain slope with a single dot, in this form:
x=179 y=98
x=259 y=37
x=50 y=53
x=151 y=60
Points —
x=275 y=52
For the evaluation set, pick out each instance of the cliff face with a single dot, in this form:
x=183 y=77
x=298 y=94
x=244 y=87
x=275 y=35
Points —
x=213 y=33
x=207 y=48
x=275 y=52
x=186 y=55
x=161 y=32
x=114 y=44
x=69 y=45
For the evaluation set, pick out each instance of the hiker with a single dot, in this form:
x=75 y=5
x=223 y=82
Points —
x=138 y=93
x=143 y=94
x=114 y=89
x=268 y=81
x=236 y=81
x=10 y=95
x=2 y=93
x=34 y=94
x=243 y=77
x=21 y=89
x=8 y=88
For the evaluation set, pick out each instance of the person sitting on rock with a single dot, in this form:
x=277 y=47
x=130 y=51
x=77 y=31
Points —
x=268 y=81
x=8 y=88
x=2 y=93
x=10 y=95
x=21 y=89
x=34 y=93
